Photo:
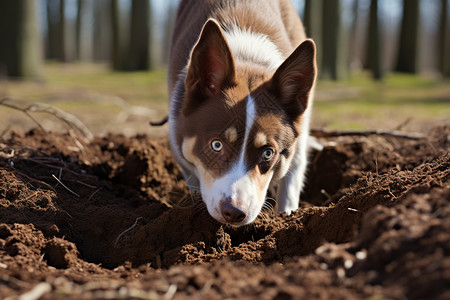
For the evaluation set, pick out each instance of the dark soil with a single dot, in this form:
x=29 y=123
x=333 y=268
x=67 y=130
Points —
x=112 y=218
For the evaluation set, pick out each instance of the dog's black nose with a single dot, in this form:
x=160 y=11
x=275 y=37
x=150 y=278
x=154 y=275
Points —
x=231 y=213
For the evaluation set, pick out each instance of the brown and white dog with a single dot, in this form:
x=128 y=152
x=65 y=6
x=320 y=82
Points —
x=241 y=80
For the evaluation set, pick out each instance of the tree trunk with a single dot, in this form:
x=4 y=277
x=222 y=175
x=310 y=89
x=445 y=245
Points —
x=102 y=30
x=79 y=30
x=62 y=50
x=52 y=29
x=119 y=53
x=313 y=24
x=169 y=26
x=373 y=60
x=140 y=50
x=444 y=41
x=20 y=53
x=354 y=54
x=408 y=51
x=334 y=44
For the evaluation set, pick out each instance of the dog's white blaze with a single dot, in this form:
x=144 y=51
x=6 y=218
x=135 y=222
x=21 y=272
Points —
x=250 y=116
x=237 y=184
x=255 y=47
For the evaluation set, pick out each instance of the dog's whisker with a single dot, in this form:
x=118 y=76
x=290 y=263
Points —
x=270 y=201
x=193 y=187
x=200 y=207
x=190 y=201
x=190 y=185
x=269 y=205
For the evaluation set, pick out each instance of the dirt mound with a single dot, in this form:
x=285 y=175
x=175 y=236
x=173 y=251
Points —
x=113 y=218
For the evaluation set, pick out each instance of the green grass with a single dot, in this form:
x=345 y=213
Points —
x=136 y=87
x=88 y=90
x=360 y=103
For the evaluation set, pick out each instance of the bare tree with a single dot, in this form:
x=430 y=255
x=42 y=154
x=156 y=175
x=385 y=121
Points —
x=408 y=51
x=52 y=29
x=313 y=24
x=374 y=52
x=119 y=52
x=20 y=53
x=56 y=24
x=169 y=26
x=116 y=44
x=353 y=52
x=79 y=27
x=334 y=43
x=444 y=40
x=62 y=50
x=140 y=35
x=102 y=30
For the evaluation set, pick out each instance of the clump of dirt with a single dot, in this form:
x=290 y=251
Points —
x=344 y=160
x=112 y=217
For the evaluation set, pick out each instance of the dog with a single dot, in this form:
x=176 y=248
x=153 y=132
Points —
x=241 y=82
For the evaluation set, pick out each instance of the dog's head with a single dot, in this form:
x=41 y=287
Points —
x=241 y=123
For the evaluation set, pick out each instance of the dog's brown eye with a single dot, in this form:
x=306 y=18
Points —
x=268 y=153
x=216 y=145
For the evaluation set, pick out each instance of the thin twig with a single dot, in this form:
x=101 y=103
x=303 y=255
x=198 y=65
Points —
x=76 y=141
x=17 y=172
x=353 y=209
x=69 y=119
x=403 y=124
x=60 y=182
x=24 y=110
x=37 y=291
x=30 y=196
x=325 y=193
x=95 y=192
x=170 y=292
x=43 y=159
x=5 y=131
x=126 y=230
x=68 y=214
x=394 y=133
x=34 y=150
x=86 y=184
x=60 y=162
x=130 y=109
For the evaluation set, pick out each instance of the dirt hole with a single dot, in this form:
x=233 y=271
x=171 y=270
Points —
x=122 y=202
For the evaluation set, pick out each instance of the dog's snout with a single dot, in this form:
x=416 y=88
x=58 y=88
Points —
x=231 y=213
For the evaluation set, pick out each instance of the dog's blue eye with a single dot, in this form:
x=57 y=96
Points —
x=268 y=154
x=216 y=145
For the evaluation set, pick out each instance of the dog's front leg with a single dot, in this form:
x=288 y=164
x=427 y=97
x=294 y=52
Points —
x=291 y=185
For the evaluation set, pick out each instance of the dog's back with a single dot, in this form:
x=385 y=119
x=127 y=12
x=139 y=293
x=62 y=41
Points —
x=276 y=19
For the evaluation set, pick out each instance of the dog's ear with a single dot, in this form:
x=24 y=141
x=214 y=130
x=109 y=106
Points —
x=211 y=65
x=294 y=79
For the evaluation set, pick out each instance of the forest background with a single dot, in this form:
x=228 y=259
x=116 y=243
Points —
x=388 y=58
